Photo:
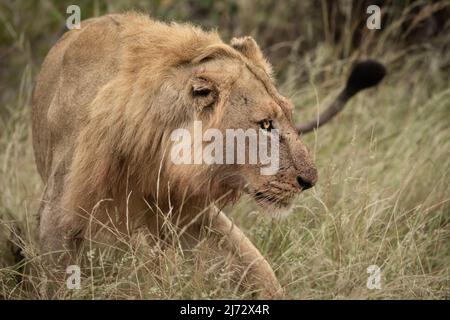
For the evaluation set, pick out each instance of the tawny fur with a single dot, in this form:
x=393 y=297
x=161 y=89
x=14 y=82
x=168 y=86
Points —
x=108 y=97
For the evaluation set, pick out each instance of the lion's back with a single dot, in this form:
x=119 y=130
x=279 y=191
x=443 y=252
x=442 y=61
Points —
x=126 y=47
x=76 y=67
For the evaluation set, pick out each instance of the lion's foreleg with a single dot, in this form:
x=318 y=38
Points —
x=259 y=272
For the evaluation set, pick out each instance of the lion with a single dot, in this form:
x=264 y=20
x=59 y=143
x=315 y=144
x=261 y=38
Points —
x=106 y=100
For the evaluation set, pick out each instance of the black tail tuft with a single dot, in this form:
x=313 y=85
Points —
x=364 y=75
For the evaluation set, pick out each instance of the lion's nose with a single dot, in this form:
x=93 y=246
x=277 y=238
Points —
x=305 y=183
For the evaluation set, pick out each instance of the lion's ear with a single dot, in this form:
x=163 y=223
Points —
x=249 y=48
x=204 y=93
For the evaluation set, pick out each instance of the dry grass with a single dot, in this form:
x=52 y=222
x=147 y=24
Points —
x=383 y=197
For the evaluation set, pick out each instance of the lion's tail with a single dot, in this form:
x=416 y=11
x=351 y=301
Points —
x=364 y=75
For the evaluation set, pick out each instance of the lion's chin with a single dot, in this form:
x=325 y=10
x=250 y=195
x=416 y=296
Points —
x=277 y=211
x=273 y=205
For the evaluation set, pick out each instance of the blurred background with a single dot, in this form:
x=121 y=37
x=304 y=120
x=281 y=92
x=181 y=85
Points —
x=291 y=33
x=383 y=195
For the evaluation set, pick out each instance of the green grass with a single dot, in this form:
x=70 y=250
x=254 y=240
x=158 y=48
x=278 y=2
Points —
x=383 y=195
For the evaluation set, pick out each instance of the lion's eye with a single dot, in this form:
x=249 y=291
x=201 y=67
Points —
x=266 y=124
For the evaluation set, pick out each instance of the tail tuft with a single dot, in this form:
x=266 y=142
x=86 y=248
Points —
x=364 y=75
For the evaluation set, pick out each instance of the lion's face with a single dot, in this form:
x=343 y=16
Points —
x=230 y=94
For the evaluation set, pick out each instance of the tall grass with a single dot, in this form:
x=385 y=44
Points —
x=384 y=175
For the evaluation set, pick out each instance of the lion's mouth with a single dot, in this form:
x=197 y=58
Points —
x=265 y=199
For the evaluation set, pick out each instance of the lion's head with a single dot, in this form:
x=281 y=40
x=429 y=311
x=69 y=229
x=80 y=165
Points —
x=230 y=87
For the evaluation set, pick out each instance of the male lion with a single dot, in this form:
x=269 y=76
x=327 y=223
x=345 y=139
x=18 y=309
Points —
x=105 y=103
